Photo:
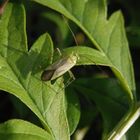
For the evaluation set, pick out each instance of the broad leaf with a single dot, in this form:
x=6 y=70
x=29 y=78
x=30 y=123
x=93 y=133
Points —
x=111 y=106
x=107 y=35
x=20 y=72
x=19 y=129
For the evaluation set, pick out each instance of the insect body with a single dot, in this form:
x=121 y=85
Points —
x=60 y=67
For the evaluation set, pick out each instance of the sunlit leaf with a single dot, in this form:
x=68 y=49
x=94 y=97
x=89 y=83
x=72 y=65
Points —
x=107 y=35
x=20 y=73
x=19 y=129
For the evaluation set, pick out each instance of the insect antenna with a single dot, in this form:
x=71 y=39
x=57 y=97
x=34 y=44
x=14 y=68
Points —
x=73 y=35
x=76 y=42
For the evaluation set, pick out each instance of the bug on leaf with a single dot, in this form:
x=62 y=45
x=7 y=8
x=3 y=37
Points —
x=59 y=68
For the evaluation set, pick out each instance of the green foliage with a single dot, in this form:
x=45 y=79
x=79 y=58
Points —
x=19 y=129
x=107 y=35
x=58 y=109
x=104 y=97
x=20 y=73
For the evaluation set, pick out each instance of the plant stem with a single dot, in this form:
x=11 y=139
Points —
x=125 y=123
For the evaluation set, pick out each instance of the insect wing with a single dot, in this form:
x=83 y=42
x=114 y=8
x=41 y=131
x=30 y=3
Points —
x=59 y=68
x=47 y=75
x=65 y=65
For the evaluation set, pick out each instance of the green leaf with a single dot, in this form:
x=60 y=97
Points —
x=107 y=35
x=111 y=106
x=87 y=56
x=58 y=20
x=19 y=129
x=10 y=33
x=20 y=72
x=62 y=31
x=73 y=109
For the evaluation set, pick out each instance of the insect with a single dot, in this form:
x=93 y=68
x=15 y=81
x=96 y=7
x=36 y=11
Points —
x=63 y=65
x=60 y=67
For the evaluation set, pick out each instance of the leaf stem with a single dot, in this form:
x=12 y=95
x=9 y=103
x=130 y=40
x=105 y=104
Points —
x=128 y=120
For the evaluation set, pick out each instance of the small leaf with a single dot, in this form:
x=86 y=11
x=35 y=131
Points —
x=19 y=129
